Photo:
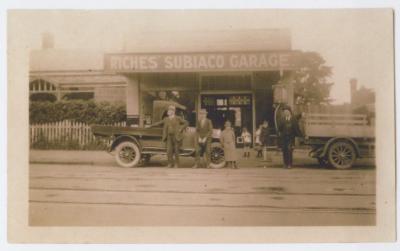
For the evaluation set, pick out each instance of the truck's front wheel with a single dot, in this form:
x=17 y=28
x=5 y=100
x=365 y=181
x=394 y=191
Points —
x=341 y=155
x=127 y=154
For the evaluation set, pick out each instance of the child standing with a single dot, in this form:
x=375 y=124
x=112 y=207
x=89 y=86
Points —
x=265 y=139
x=257 y=142
x=246 y=136
x=229 y=144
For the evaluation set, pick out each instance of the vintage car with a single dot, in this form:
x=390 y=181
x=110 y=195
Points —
x=136 y=145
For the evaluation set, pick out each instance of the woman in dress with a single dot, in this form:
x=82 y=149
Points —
x=229 y=144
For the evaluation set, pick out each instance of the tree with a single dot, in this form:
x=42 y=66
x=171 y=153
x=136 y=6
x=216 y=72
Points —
x=310 y=81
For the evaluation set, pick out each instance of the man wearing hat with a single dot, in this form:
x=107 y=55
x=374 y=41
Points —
x=287 y=129
x=204 y=129
x=173 y=135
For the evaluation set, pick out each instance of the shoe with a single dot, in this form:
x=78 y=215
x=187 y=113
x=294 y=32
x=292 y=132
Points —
x=169 y=166
x=176 y=166
x=289 y=167
x=195 y=166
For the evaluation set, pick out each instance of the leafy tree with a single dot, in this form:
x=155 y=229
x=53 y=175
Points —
x=311 y=85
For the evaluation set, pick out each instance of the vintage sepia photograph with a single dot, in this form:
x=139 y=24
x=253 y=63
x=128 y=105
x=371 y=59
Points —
x=207 y=118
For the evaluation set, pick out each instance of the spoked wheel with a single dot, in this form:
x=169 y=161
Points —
x=127 y=154
x=341 y=155
x=217 y=157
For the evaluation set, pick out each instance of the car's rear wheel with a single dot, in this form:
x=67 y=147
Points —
x=217 y=158
x=127 y=154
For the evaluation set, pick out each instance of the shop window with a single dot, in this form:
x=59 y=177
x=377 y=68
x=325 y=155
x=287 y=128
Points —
x=237 y=108
x=153 y=111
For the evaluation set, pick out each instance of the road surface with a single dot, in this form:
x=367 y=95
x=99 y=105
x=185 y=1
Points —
x=105 y=195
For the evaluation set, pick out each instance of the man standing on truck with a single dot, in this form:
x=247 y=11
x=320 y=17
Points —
x=287 y=131
x=204 y=129
x=173 y=135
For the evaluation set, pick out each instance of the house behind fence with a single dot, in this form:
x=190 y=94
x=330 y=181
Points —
x=66 y=134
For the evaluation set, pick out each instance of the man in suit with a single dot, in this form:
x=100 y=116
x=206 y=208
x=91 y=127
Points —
x=173 y=135
x=204 y=129
x=288 y=129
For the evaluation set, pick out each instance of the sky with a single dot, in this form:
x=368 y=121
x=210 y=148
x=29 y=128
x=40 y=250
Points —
x=353 y=42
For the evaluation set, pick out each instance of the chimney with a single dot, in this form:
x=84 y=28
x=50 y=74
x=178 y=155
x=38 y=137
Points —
x=47 y=41
x=353 y=89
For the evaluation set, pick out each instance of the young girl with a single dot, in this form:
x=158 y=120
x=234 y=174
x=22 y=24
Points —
x=229 y=144
x=246 y=136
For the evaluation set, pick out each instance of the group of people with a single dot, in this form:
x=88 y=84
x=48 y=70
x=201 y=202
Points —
x=174 y=126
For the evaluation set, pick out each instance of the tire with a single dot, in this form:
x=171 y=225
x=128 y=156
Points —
x=217 y=158
x=127 y=154
x=341 y=155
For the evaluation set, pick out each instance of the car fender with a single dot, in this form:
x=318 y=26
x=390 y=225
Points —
x=333 y=140
x=122 y=138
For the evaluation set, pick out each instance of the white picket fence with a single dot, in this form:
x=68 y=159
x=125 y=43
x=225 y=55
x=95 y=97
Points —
x=64 y=130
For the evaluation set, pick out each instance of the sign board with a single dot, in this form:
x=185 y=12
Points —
x=231 y=100
x=201 y=62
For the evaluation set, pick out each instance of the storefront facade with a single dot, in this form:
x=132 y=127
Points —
x=231 y=74
x=235 y=86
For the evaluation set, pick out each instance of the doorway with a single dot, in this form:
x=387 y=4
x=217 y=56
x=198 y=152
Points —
x=237 y=108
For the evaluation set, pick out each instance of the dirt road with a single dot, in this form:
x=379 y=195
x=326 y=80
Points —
x=92 y=195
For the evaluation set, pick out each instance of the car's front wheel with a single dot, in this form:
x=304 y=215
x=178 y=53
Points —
x=217 y=158
x=127 y=154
